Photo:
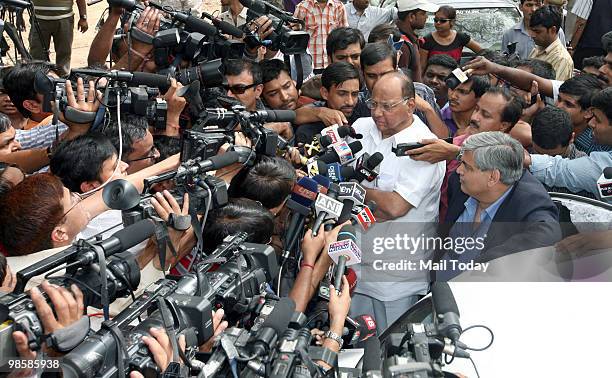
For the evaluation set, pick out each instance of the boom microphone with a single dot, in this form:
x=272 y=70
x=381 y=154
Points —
x=446 y=310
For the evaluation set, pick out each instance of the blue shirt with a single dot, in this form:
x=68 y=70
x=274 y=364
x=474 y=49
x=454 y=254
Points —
x=524 y=42
x=372 y=16
x=585 y=142
x=575 y=175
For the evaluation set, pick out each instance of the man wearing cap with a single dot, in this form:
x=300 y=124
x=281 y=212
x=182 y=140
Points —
x=412 y=15
x=56 y=19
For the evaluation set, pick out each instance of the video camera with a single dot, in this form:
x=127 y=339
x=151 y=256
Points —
x=179 y=305
x=101 y=284
x=283 y=38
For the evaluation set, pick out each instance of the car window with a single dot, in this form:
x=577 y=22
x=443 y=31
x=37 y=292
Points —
x=484 y=25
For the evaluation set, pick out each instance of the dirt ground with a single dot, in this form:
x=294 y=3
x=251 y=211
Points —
x=82 y=41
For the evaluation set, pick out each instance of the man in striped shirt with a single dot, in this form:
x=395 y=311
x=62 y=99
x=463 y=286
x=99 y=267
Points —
x=320 y=18
x=56 y=19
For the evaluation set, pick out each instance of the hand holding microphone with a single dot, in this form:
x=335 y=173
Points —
x=312 y=246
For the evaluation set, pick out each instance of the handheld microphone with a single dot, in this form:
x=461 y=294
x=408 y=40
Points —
x=367 y=167
x=334 y=134
x=341 y=152
x=363 y=327
x=326 y=207
x=275 y=324
x=316 y=167
x=446 y=309
x=338 y=173
x=604 y=183
x=364 y=216
x=344 y=252
x=302 y=197
x=322 y=183
x=350 y=194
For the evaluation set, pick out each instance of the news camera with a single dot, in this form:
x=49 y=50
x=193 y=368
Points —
x=181 y=306
x=101 y=283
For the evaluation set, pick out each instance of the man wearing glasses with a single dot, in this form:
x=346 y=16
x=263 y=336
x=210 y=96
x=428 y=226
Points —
x=407 y=193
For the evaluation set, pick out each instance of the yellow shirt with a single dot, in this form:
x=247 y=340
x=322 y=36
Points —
x=556 y=55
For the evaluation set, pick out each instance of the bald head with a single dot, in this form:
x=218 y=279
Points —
x=395 y=81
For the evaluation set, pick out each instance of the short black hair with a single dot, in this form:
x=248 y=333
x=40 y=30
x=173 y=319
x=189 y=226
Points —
x=5 y=123
x=166 y=145
x=269 y=182
x=603 y=102
x=19 y=84
x=337 y=73
x=133 y=129
x=606 y=42
x=449 y=11
x=375 y=53
x=583 y=87
x=480 y=84
x=239 y=215
x=593 y=61
x=514 y=105
x=402 y=15
x=442 y=60
x=234 y=67
x=551 y=127
x=538 y=67
x=381 y=33
x=80 y=159
x=271 y=69
x=341 y=38
x=546 y=16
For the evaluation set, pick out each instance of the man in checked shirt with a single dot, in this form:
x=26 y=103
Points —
x=320 y=18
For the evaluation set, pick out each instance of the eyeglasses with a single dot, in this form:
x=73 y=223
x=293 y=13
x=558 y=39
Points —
x=75 y=199
x=238 y=88
x=153 y=154
x=442 y=20
x=372 y=105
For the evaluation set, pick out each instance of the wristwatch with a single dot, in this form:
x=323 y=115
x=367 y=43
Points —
x=334 y=336
x=83 y=17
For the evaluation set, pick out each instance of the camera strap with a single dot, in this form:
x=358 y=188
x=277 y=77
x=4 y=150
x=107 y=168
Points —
x=121 y=347
x=163 y=241
x=141 y=36
x=65 y=339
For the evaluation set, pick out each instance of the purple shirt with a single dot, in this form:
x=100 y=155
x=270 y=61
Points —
x=447 y=117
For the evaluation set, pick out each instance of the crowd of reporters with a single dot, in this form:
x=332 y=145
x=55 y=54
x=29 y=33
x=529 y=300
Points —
x=220 y=135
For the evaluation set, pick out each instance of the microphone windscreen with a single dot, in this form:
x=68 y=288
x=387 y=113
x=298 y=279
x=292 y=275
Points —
x=355 y=146
x=135 y=233
x=443 y=298
x=228 y=28
x=325 y=140
x=228 y=158
x=374 y=160
x=280 y=116
x=322 y=180
x=322 y=167
x=347 y=172
x=607 y=172
x=280 y=316
x=308 y=184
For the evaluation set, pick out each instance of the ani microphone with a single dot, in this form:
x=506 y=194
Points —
x=326 y=207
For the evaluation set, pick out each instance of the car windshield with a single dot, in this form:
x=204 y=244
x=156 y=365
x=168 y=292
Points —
x=484 y=25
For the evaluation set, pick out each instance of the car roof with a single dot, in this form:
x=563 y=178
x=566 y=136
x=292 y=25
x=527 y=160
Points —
x=465 y=4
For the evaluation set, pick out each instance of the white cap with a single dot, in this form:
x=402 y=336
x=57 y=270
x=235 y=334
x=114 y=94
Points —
x=408 y=5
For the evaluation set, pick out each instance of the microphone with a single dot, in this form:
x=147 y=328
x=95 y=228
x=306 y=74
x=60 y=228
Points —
x=604 y=183
x=351 y=194
x=362 y=328
x=302 y=197
x=121 y=240
x=194 y=24
x=222 y=114
x=334 y=134
x=341 y=152
x=344 y=252
x=275 y=324
x=217 y=162
x=132 y=78
x=326 y=207
x=367 y=167
x=364 y=216
x=316 y=167
x=322 y=183
x=446 y=309
x=225 y=27
x=338 y=173
x=372 y=360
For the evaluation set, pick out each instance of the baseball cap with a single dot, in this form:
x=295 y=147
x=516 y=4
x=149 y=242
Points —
x=408 y=5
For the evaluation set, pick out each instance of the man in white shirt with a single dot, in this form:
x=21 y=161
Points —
x=364 y=17
x=407 y=196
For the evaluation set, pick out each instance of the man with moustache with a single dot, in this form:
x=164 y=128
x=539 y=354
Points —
x=462 y=102
x=437 y=70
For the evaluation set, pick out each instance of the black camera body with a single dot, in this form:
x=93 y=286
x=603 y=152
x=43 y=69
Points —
x=145 y=102
x=202 y=144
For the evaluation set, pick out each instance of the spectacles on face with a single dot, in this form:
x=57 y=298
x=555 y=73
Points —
x=75 y=199
x=153 y=155
x=372 y=105
x=442 y=20
x=238 y=88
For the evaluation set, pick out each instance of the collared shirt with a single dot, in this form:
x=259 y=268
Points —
x=371 y=17
x=585 y=142
x=576 y=175
x=464 y=225
x=227 y=16
x=319 y=23
x=39 y=137
x=582 y=8
x=418 y=183
x=558 y=56
x=524 y=42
